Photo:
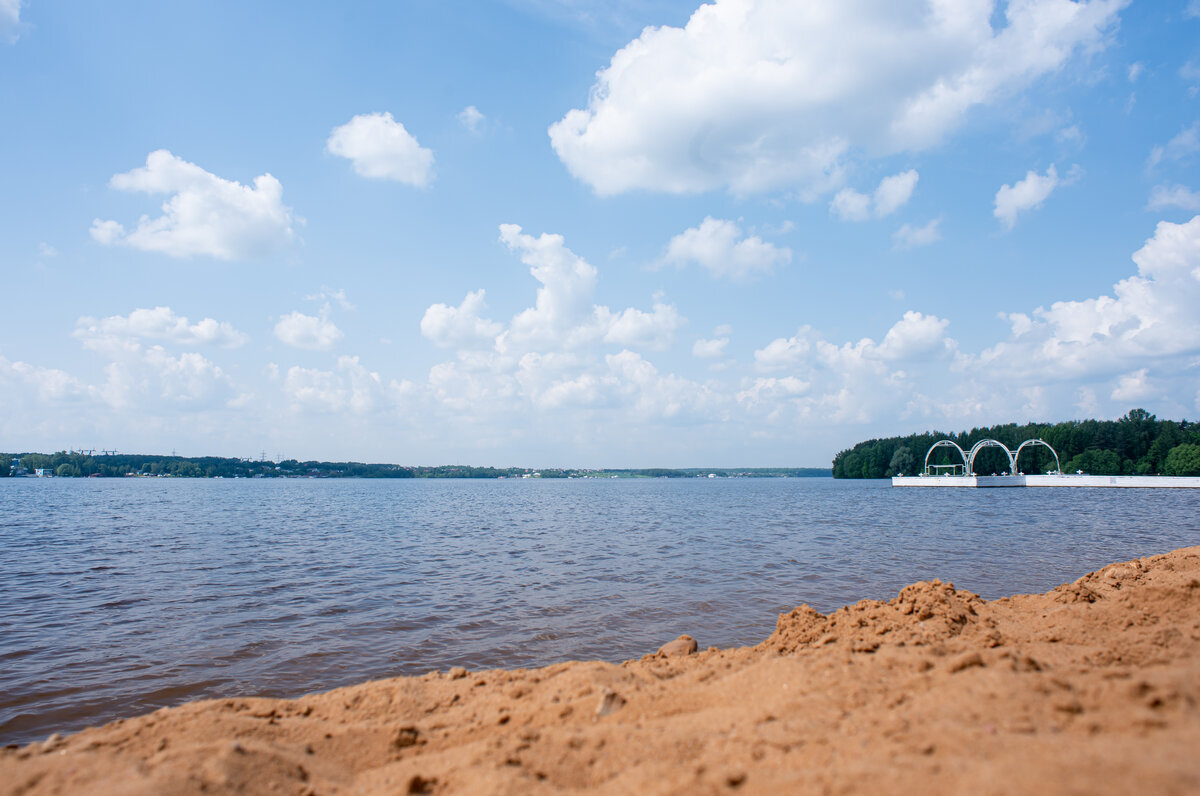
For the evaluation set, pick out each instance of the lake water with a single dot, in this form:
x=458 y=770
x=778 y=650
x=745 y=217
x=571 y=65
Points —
x=120 y=596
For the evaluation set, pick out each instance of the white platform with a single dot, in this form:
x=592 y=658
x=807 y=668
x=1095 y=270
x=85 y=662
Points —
x=1107 y=481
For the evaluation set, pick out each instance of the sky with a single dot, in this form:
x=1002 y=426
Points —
x=591 y=233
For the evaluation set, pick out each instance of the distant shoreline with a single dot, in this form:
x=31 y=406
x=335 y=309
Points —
x=71 y=464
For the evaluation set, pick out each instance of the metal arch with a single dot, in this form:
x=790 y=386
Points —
x=1017 y=453
x=952 y=444
x=988 y=443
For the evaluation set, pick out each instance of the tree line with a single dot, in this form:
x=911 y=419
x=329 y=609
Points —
x=75 y=464
x=1136 y=444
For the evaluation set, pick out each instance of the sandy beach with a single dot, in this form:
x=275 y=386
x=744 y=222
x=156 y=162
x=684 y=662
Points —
x=1092 y=687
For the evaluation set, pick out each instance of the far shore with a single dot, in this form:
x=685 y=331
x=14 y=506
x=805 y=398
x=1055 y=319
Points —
x=1091 y=687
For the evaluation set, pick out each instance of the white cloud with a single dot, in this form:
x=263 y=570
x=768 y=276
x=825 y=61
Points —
x=350 y=388
x=1135 y=71
x=460 y=326
x=771 y=390
x=381 y=149
x=892 y=194
x=563 y=315
x=189 y=378
x=785 y=352
x=46 y=250
x=45 y=384
x=633 y=327
x=1026 y=195
x=715 y=246
x=160 y=323
x=328 y=294
x=1133 y=387
x=549 y=356
x=1182 y=146
x=1193 y=9
x=204 y=215
x=471 y=118
x=850 y=205
x=1151 y=318
x=759 y=95
x=910 y=237
x=1071 y=135
x=10 y=20
x=710 y=349
x=307 y=331
x=1164 y=196
x=915 y=335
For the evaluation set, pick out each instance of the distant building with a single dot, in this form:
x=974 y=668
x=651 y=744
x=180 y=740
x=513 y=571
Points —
x=43 y=472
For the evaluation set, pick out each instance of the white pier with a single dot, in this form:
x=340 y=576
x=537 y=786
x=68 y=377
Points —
x=963 y=475
x=1106 y=481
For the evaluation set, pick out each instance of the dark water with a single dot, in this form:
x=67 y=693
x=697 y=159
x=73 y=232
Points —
x=121 y=596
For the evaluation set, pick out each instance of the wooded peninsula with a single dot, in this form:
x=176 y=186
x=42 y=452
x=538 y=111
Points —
x=1136 y=444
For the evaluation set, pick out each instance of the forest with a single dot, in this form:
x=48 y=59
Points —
x=1136 y=444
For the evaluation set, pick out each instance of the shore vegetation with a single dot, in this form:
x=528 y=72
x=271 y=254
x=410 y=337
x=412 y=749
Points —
x=1136 y=444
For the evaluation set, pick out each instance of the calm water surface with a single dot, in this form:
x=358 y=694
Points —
x=120 y=596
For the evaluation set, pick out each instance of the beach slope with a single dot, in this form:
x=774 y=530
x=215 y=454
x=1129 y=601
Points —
x=1093 y=687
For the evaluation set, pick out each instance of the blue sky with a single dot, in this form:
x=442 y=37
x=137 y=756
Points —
x=592 y=232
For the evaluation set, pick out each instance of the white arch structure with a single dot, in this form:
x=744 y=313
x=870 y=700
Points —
x=1017 y=453
x=968 y=457
x=988 y=443
x=951 y=444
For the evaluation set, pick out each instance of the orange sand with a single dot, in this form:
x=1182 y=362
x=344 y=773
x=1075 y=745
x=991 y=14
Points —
x=1090 y=688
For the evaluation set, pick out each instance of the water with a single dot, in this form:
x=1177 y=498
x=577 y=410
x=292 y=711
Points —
x=121 y=596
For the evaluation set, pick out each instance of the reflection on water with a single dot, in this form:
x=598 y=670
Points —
x=122 y=596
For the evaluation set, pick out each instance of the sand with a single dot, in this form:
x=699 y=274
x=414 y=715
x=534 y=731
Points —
x=1090 y=688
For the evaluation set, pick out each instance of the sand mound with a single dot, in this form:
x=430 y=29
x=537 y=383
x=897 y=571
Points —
x=923 y=613
x=1093 y=687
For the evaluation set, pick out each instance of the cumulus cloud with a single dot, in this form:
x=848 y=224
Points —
x=47 y=384
x=563 y=315
x=1133 y=387
x=892 y=194
x=551 y=355
x=1185 y=144
x=759 y=95
x=1151 y=317
x=915 y=336
x=351 y=388
x=1029 y=193
x=471 y=118
x=205 y=214
x=1165 y=196
x=719 y=247
x=160 y=323
x=315 y=333
x=380 y=148
x=910 y=237
x=460 y=326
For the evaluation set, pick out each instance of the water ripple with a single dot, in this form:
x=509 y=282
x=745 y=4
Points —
x=122 y=596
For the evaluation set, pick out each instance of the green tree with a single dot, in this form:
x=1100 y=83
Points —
x=903 y=461
x=1095 y=462
x=1183 y=460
